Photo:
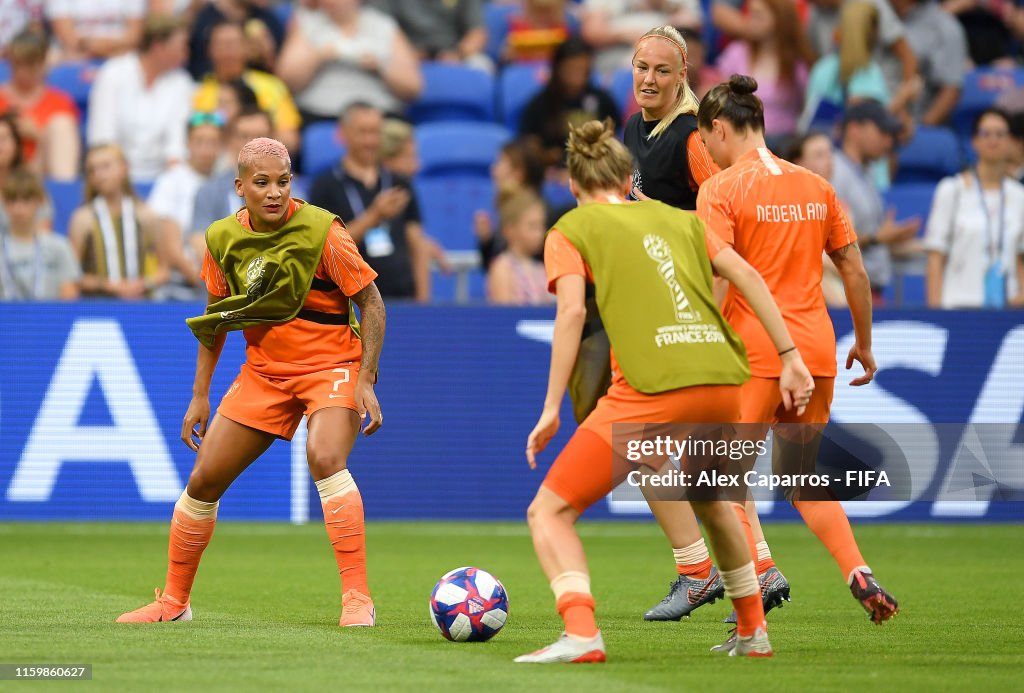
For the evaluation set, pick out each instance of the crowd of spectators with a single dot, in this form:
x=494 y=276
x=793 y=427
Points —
x=176 y=87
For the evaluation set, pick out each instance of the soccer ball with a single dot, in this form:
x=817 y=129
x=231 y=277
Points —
x=468 y=605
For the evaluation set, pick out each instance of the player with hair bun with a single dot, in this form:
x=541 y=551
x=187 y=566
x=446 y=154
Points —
x=613 y=245
x=284 y=272
x=750 y=206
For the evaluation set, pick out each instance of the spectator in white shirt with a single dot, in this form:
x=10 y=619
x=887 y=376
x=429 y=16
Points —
x=96 y=29
x=975 y=235
x=173 y=201
x=141 y=101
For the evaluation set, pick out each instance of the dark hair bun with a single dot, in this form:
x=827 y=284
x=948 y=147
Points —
x=742 y=84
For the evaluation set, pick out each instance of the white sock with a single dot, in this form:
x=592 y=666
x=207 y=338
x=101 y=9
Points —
x=763 y=552
x=740 y=582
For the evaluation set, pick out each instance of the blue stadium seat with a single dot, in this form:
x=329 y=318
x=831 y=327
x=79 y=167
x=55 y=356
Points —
x=459 y=147
x=516 y=86
x=454 y=92
x=622 y=88
x=65 y=196
x=980 y=90
x=911 y=200
x=5 y=71
x=558 y=196
x=284 y=11
x=496 y=21
x=321 y=148
x=454 y=181
x=76 y=79
x=931 y=155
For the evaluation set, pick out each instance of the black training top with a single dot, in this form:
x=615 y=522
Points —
x=662 y=166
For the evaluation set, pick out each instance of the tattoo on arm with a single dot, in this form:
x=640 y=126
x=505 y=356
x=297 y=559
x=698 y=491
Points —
x=371 y=310
x=840 y=255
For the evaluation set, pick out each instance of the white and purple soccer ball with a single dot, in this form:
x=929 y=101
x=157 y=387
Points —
x=469 y=605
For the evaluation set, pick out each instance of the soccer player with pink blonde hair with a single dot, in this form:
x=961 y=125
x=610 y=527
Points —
x=285 y=273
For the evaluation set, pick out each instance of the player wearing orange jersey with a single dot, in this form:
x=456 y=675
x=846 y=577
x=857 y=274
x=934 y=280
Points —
x=651 y=265
x=780 y=218
x=284 y=272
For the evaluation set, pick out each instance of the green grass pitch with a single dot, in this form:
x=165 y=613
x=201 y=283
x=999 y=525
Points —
x=266 y=609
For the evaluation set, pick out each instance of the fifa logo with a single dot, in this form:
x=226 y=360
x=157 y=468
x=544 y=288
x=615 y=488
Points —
x=254 y=276
x=660 y=251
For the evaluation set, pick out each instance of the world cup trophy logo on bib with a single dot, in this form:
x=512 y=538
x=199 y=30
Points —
x=660 y=251
x=254 y=276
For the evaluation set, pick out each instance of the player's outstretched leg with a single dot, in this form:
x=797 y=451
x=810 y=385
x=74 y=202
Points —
x=828 y=521
x=227 y=449
x=697 y=582
x=740 y=579
x=332 y=433
x=560 y=552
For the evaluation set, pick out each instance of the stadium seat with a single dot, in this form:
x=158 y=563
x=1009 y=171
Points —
x=516 y=86
x=622 y=88
x=321 y=148
x=143 y=188
x=931 y=155
x=454 y=181
x=454 y=92
x=980 y=90
x=911 y=200
x=76 y=79
x=558 y=196
x=65 y=196
x=496 y=21
x=459 y=147
x=5 y=71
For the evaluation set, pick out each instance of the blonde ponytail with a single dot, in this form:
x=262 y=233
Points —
x=686 y=101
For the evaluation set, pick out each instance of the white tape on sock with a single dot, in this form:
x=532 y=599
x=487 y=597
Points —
x=740 y=582
x=570 y=581
x=335 y=485
x=695 y=553
x=197 y=510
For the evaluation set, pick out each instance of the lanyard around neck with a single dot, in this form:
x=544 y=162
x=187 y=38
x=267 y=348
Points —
x=355 y=200
x=993 y=241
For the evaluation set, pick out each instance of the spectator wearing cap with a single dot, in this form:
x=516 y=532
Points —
x=228 y=57
x=868 y=134
x=47 y=117
x=975 y=236
x=172 y=199
x=940 y=47
x=141 y=101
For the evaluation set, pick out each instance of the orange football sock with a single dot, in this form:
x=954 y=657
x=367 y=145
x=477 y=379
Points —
x=577 y=610
x=828 y=521
x=343 y=517
x=693 y=560
x=741 y=513
x=749 y=614
x=764 y=558
x=189 y=538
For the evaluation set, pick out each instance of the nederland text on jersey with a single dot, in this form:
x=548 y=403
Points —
x=812 y=211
